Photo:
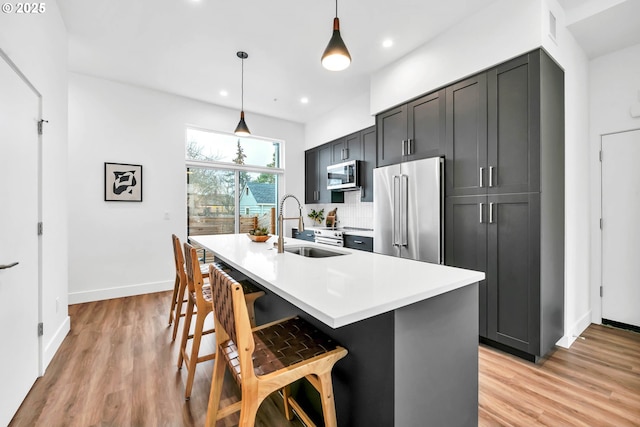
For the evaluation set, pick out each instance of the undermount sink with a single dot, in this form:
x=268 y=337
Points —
x=312 y=251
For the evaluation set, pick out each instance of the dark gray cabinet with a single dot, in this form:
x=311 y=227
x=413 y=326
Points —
x=359 y=145
x=303 y=235
x=466 y=242
x=368 y=163
x=346 y=148
x=493 y=125
x=316 y=162
x=412 y=131
x=505 y=198
x=358 y=242
x=466 y=150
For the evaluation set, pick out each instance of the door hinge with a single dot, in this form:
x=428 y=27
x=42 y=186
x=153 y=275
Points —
x=40 y=228
x=600 y=155
x=600 y=291
x=40 y=122
x=40 y=329
x=601 y=223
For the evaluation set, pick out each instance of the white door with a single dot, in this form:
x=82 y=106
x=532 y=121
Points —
x=19 y=358
x=621 y=227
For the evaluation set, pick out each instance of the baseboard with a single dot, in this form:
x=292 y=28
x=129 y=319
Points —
x=54 y=343
x=119 y=292
x=574 y=332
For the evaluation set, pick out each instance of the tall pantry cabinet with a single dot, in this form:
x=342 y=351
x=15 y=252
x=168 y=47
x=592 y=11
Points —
x=504 y=187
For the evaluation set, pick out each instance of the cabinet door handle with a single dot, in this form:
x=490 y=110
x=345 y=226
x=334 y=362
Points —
x=346 y=154
x=481 y=177
x=359 y=242
x=491 y=213
x=490 y=176
x=481 y=206
x=404 y=141
x=409 y=146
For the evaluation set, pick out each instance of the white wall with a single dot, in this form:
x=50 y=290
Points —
x=499 y=32
x=119 y=249
x=614 y=85
x=37 y=44
x=348 y=118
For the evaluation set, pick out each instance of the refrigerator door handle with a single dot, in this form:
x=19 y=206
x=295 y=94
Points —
x=395 y=213
x=404 y=210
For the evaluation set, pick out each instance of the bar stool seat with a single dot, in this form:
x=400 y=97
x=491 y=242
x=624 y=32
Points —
x=267 y=358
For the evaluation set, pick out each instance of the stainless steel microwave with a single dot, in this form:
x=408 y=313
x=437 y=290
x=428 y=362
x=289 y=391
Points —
x=343 y=176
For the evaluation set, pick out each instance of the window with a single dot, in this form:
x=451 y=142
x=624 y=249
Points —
x=232 y=182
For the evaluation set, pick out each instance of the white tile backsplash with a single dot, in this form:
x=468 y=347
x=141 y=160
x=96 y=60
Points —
x=351 y=213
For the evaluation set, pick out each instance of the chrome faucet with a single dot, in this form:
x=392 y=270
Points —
x=281 y=221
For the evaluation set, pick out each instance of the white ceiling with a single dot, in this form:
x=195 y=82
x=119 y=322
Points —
x=188 y=47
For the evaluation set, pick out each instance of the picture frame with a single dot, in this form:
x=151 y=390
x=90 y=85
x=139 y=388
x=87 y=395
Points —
x=122 y=182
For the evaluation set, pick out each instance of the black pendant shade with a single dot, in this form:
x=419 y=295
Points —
x=336 y=56
x=242 y=129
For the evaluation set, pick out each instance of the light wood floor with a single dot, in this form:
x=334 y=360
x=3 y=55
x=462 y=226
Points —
x=117 y=367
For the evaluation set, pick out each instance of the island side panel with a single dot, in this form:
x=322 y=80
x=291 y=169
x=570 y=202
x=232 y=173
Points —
x=363 y=380
x=436 y=361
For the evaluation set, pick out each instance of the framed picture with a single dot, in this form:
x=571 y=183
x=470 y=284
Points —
x=122 y=182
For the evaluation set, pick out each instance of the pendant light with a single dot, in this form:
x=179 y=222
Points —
x=242 y=129
x=336 y=56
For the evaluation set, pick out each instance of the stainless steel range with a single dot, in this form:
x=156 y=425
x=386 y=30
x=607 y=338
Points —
x=329 y=236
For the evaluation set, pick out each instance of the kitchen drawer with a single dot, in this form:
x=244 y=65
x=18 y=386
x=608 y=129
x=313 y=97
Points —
x=358 y=242
x=304 y=235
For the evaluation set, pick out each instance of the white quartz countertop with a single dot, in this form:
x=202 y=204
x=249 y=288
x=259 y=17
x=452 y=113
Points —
x=337 y=290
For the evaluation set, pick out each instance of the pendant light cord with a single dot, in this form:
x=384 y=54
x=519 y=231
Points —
x=336 y=8
x=242 y=87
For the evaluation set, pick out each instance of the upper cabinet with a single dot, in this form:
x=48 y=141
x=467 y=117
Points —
x=359 y=145
x=316 y=162
x=493 y=130
x=412 y=131
x=369 y=150
x=466 y=152
x=347 y=148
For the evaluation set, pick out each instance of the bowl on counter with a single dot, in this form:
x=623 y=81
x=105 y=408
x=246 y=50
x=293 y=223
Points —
x=260 y=239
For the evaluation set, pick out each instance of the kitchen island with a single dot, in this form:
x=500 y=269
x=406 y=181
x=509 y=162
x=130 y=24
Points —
x=411 y=328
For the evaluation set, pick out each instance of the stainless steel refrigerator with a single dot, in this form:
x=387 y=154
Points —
x=407 y=210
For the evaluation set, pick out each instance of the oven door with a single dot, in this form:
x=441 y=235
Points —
x=329 y=241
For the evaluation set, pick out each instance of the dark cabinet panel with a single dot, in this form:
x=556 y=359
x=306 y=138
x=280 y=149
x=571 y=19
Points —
x=513 y=270
x=466 y=241
x=426 y=127
x=466 y=150
x=358 y=242
x=347 y=148
x=303 y=235
x=368 y=164
x=513 y=158
x=412 y=131
x=316 y=162
x=311 y=176
x=392 y=133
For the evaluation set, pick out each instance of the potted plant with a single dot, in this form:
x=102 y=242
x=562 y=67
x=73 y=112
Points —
x=317 y=216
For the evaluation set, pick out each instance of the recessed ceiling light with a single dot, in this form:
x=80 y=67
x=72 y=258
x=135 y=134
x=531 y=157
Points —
x=224 y=93
x=387 y=43
x=304 y=100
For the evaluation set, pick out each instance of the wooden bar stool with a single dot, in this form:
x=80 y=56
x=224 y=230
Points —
x=180 y=285
x=267 y=358
x=200 y=300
